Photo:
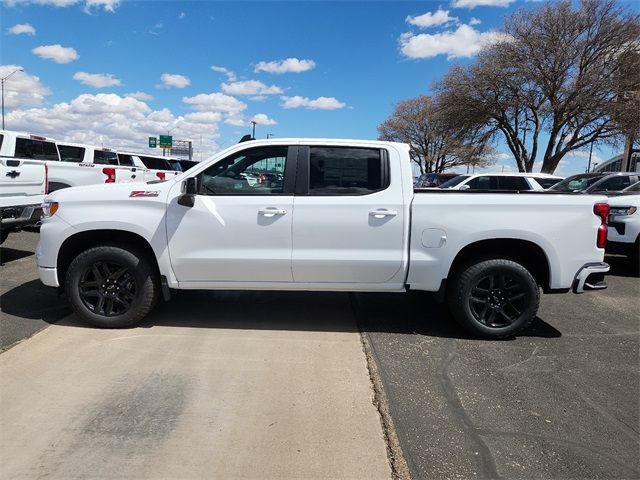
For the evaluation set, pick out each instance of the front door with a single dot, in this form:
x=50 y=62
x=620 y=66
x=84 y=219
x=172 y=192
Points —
x=239 y=228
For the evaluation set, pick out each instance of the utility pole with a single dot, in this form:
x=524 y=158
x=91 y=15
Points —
x=2 y=81
x=590 y=153
x=253 y=133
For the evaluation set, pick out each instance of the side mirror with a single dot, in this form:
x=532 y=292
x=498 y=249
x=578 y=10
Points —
x=189 y=192
x=464 y=187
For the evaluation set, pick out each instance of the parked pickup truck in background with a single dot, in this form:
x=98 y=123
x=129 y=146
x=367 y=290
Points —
x=153 y=168
x=23 y=185
x=337 y=215
x=79 y=165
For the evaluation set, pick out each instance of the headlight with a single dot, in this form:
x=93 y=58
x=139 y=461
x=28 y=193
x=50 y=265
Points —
x=49 y=209
x=622 y=211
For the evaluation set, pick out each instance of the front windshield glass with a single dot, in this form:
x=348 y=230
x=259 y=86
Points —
x=454 y=181
x=576 y=183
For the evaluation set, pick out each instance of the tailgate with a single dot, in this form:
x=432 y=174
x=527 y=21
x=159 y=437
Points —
x=21 y=181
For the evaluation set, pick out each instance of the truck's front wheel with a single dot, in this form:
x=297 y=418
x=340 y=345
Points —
x=493 y=298
x=111 y=286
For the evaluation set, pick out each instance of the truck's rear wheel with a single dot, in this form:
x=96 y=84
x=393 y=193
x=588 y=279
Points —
x=493 y=298
x=111 y=286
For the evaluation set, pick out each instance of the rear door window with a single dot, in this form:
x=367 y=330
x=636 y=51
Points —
x=36 y=149
x=513 y=183
x=483 y=183
x=69 y=153
x=614 y=184
x=546 y=182
x=346 y=171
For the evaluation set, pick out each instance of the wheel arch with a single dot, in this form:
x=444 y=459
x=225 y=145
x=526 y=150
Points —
x=527 y=253
x=82 y=241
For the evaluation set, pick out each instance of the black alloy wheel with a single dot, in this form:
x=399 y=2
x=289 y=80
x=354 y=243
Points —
x=497 y=300
x=107 y=288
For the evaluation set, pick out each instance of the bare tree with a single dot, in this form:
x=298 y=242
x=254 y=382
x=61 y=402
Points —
x=436 y=142
x=556 y=72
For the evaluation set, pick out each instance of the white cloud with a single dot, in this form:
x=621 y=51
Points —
x=144 y=97
x=262 y=119
x=470 y=4
x=429 y=19
x=182 y=15
x=174 y=80
x=22 y=89
x=98 y=80
x=57 y=53
x=216 y=102
x=106 y=5
x=230 y=75
x=22 y=28
x=465 y=41
x=292 y=65
x=115 y=121
x=475 y=21
x=320 y=103
x=250 y=87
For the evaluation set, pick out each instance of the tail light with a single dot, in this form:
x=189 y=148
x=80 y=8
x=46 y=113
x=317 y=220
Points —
x=46 y=178
x=111 y=175
x=161 y=175
x=602 y=211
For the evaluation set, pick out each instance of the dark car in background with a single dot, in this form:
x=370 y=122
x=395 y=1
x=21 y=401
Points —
x=596 y=182
x=427 y=180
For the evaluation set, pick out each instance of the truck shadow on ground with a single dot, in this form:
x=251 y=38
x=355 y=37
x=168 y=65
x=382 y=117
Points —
x=406 y=314
x=34 y=301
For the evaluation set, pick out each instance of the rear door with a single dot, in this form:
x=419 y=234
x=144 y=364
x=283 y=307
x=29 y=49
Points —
x=348 y=216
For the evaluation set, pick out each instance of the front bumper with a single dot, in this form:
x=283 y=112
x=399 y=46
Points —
x=48 y=276
x=20 y=216
x=591 y=277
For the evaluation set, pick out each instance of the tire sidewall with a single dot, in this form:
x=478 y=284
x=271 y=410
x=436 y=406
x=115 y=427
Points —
x=470 y=277
x=137 y=266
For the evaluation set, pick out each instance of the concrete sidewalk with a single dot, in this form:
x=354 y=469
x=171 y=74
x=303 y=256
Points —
x=188 y=396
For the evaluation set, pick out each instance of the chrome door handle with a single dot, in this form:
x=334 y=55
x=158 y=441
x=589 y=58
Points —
x=272 y=211
x=381 y=213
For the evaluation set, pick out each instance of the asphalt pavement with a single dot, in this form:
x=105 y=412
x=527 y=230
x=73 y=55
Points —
x=559 y=401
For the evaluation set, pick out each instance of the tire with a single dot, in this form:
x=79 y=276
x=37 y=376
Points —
x=112 y=286
x=495 y=298
x=634 y=258
x=4 y=234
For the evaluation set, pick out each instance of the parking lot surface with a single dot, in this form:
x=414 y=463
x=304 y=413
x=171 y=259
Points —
x=214 y=385
x=275 y=385
x=560 y=401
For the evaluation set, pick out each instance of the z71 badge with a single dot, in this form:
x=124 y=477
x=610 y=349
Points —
x=144 y=193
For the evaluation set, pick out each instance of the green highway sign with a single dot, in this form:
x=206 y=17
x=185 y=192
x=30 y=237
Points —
x=166 y=141
x=153 y=142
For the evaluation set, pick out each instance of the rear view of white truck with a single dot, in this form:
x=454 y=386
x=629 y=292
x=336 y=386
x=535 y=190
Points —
x=23 y=185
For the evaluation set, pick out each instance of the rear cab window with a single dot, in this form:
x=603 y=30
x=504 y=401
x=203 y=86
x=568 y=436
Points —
x=104 y=157
x=36 y=149
x=155 y=163
x=69 y=153
x=347 y=171
x=126 y=160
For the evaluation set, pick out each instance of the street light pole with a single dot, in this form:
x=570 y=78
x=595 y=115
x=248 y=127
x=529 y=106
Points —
x=2 y=81
x=253 y=134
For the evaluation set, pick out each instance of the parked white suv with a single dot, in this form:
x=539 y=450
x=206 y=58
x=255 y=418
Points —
x=624 y=223
x=502 y=181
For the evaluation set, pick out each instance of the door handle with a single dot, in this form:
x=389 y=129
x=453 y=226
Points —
x=272 y=211
x=381 y=213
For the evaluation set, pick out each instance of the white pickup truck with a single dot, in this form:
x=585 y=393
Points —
x=337 y=215
x=70 y=164
x=23 y=185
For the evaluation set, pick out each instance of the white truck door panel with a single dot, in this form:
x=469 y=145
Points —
x=341 y=234
x=237 y=230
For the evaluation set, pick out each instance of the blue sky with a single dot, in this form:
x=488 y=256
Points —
x=114 y=72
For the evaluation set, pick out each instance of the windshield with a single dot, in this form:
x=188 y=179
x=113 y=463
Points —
x=577 y=183
x=454 y=181
x=633 y=188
